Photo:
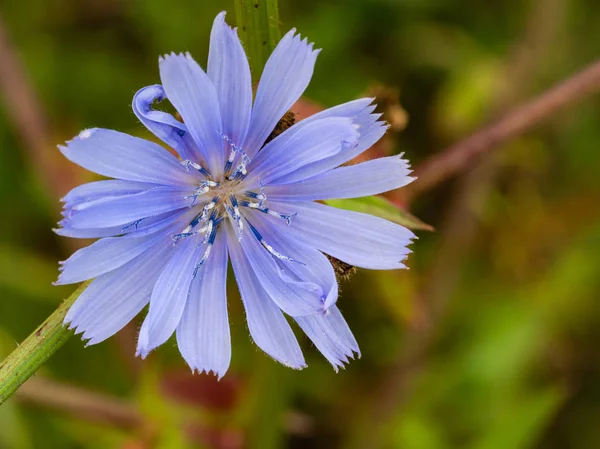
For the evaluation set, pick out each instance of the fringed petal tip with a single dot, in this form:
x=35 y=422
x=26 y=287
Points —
x=295 y=367
x=343 y=360
x=168 y=56
x=220 y=21
x=297 y=39
x=60 y=280
x=142 y=352
x=77 y=329
x=208 y=371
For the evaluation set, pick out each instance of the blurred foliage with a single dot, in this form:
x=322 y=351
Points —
x=512 y=320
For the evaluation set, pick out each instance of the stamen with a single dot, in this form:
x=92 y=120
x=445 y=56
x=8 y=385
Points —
x=234 y=150
x=177 y=237
x=209 y=240
x=134 y=224
x=208 y=207
x=261 y=197
x=203 y=188
x=234 y=211
x=200 y=218
x=257 y=196
x=241 y=170
x=269 y=248
x=187 y=164
x=266 y=210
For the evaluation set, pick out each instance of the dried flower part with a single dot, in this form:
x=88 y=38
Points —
x=388 y=99
x=342 y=269
x=287 y=121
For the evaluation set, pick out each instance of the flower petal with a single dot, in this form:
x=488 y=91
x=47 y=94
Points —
x=169 y=297
x=308 y=143
x=285 y=77
x=113 y=299
x=316 y=268
x=358 y=239
x=162 y=124
x=352 y=109
x=101 y=189
x=126 y=209
x=192 y=93
x=118 y=155
x=295 y=296
x=103 y=256
x=203 y=334
x=369 y=178
x=365 y=122
x=229 y=71
x=137 y=228
x=268 y=327
x=331 y=335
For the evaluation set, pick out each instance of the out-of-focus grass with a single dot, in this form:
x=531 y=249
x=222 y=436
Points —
x=513 y=361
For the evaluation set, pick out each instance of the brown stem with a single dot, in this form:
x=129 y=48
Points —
x=81 y=403
x=461 y=155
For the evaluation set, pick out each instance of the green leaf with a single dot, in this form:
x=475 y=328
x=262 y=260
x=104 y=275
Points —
x=258 y=28
x=381 y=207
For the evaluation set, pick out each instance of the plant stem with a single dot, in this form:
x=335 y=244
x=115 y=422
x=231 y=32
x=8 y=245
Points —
x=258 y=27
x=27 y=358
x=463 y=154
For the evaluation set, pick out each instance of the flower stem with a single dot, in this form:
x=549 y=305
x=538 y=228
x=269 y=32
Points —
x=27 y=358
x=258 y=28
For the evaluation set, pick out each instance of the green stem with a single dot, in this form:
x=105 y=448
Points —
x=24 y=361
x=258 y=27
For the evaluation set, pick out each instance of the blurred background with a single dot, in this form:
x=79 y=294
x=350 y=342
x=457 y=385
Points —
x=489 y=341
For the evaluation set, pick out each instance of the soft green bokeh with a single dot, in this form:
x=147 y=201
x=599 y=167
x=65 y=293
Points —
x=505 y=292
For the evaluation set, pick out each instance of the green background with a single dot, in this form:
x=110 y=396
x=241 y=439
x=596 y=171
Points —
x=489 y=341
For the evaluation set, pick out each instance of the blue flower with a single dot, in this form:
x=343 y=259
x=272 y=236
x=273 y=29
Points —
x=168 y=225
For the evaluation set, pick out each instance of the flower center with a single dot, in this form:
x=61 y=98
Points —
x=226 y=200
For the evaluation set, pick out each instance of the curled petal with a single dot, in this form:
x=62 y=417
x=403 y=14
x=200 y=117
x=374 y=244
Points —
x=162 y=124
x=194 y=96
